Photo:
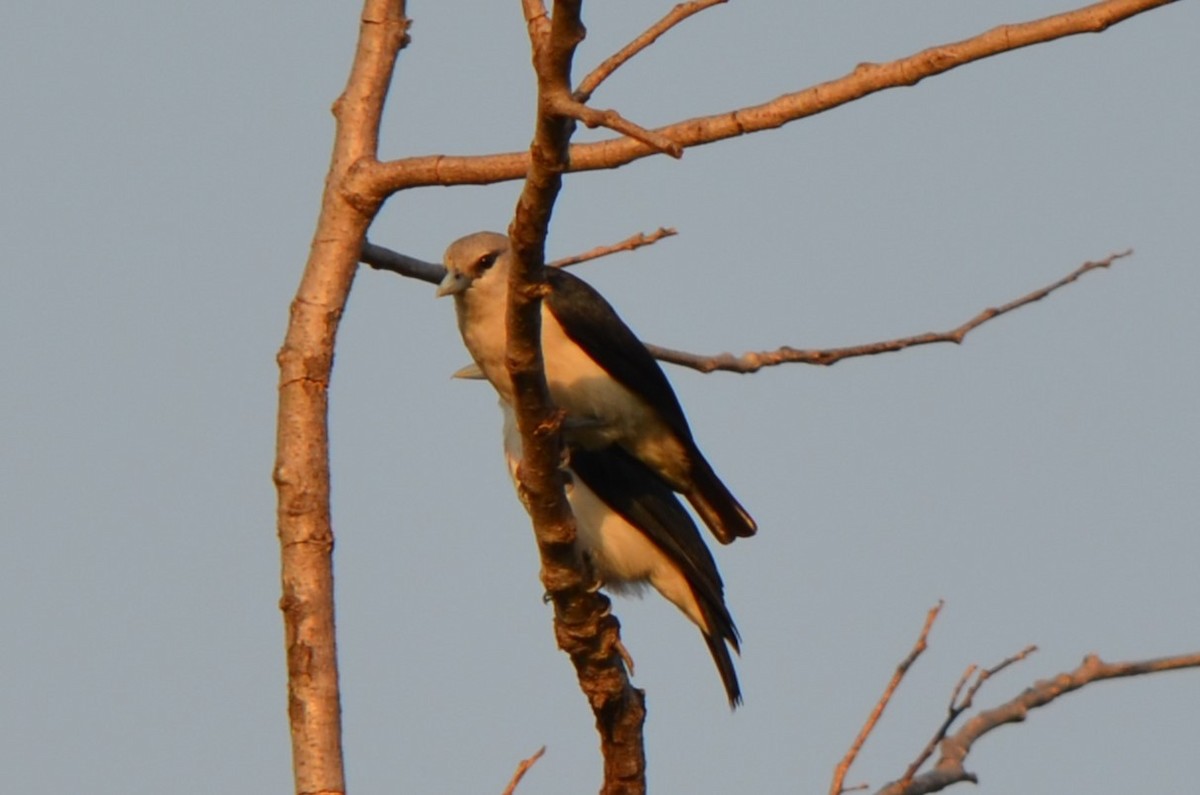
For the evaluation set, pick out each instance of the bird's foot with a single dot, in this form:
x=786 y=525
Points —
x=625 y=656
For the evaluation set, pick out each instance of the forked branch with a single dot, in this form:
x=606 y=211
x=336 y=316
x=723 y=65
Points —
x=960 y=705
x=949 y=768
x=867 y=78
x=583 y=625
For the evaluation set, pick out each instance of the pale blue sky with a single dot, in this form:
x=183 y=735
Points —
x=162 y=167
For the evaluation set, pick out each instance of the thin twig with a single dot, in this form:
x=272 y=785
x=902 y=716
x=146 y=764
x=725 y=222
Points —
x=384 y=259
x=522 y=769
x=601 y=73
x=754 y=361
x=628 y=244
x=990 y=672
x=843 y=767
x=962 y=683
x=617 y=123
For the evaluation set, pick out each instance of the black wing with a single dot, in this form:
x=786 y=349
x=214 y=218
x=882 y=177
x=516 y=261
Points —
x=631 y=489
x=592 y=323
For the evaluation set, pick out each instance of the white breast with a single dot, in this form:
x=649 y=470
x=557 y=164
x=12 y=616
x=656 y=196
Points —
x=624 y=559
x=600 y=410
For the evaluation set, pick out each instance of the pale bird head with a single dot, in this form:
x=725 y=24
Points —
x=471 y=257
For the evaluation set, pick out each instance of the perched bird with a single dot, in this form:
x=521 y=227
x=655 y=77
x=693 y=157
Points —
x=632 y=531
x=597 y=370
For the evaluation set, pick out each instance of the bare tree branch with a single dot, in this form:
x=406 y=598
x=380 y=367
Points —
x=584 y=627
x=522 y=769
x=617 y=123
x=384 y=259
x=301 y=469
x=957 y=707
x=602 y=72
x=843 y=767
x=954 y=749
x=379 y=179
x=631 y=243
x=356 y=188
x=754 y=361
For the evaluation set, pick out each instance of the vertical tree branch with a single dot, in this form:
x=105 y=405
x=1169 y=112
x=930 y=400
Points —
x=584 y=628
x=301 y=470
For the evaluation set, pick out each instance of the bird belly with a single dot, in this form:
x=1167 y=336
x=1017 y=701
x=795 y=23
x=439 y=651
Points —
x=623 y=557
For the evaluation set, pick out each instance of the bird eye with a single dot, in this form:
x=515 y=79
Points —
x=486 y=261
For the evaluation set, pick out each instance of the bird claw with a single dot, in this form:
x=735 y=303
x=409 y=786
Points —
x=625 y=656
x=594 y=582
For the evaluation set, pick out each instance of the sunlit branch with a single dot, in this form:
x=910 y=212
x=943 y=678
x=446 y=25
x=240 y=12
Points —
x=949 y=768
x=751 y=362
x=867 y=78
x=843 y=767
x=602 y=72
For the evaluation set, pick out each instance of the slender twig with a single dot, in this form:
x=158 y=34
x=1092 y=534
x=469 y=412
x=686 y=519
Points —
x=751 y=362
x=990 y=672
x=631 y=243
x=866 y=79
x=954 y=749
x=522 y=769
x=601 y=73
x=384 y=259
x=961 y=685
x=843 y=767
x=617 y=123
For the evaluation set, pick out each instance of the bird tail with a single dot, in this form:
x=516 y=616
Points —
x=721 y=635
x=717 y=506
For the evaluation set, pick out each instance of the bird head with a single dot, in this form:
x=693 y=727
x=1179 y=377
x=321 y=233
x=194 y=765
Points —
x=470 y=258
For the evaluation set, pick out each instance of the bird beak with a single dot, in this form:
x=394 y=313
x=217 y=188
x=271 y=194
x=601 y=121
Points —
x=453 y=284
x=470 y=372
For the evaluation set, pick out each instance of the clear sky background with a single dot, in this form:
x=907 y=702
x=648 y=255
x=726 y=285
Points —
x=161 y=169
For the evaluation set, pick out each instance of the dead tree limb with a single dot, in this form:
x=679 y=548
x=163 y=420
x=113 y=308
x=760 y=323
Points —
x=584 y=626
x=301 y=471
x=865 y=79
x=839 y=773
x=384 y=259
x=949 y=768
x=754 y=361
